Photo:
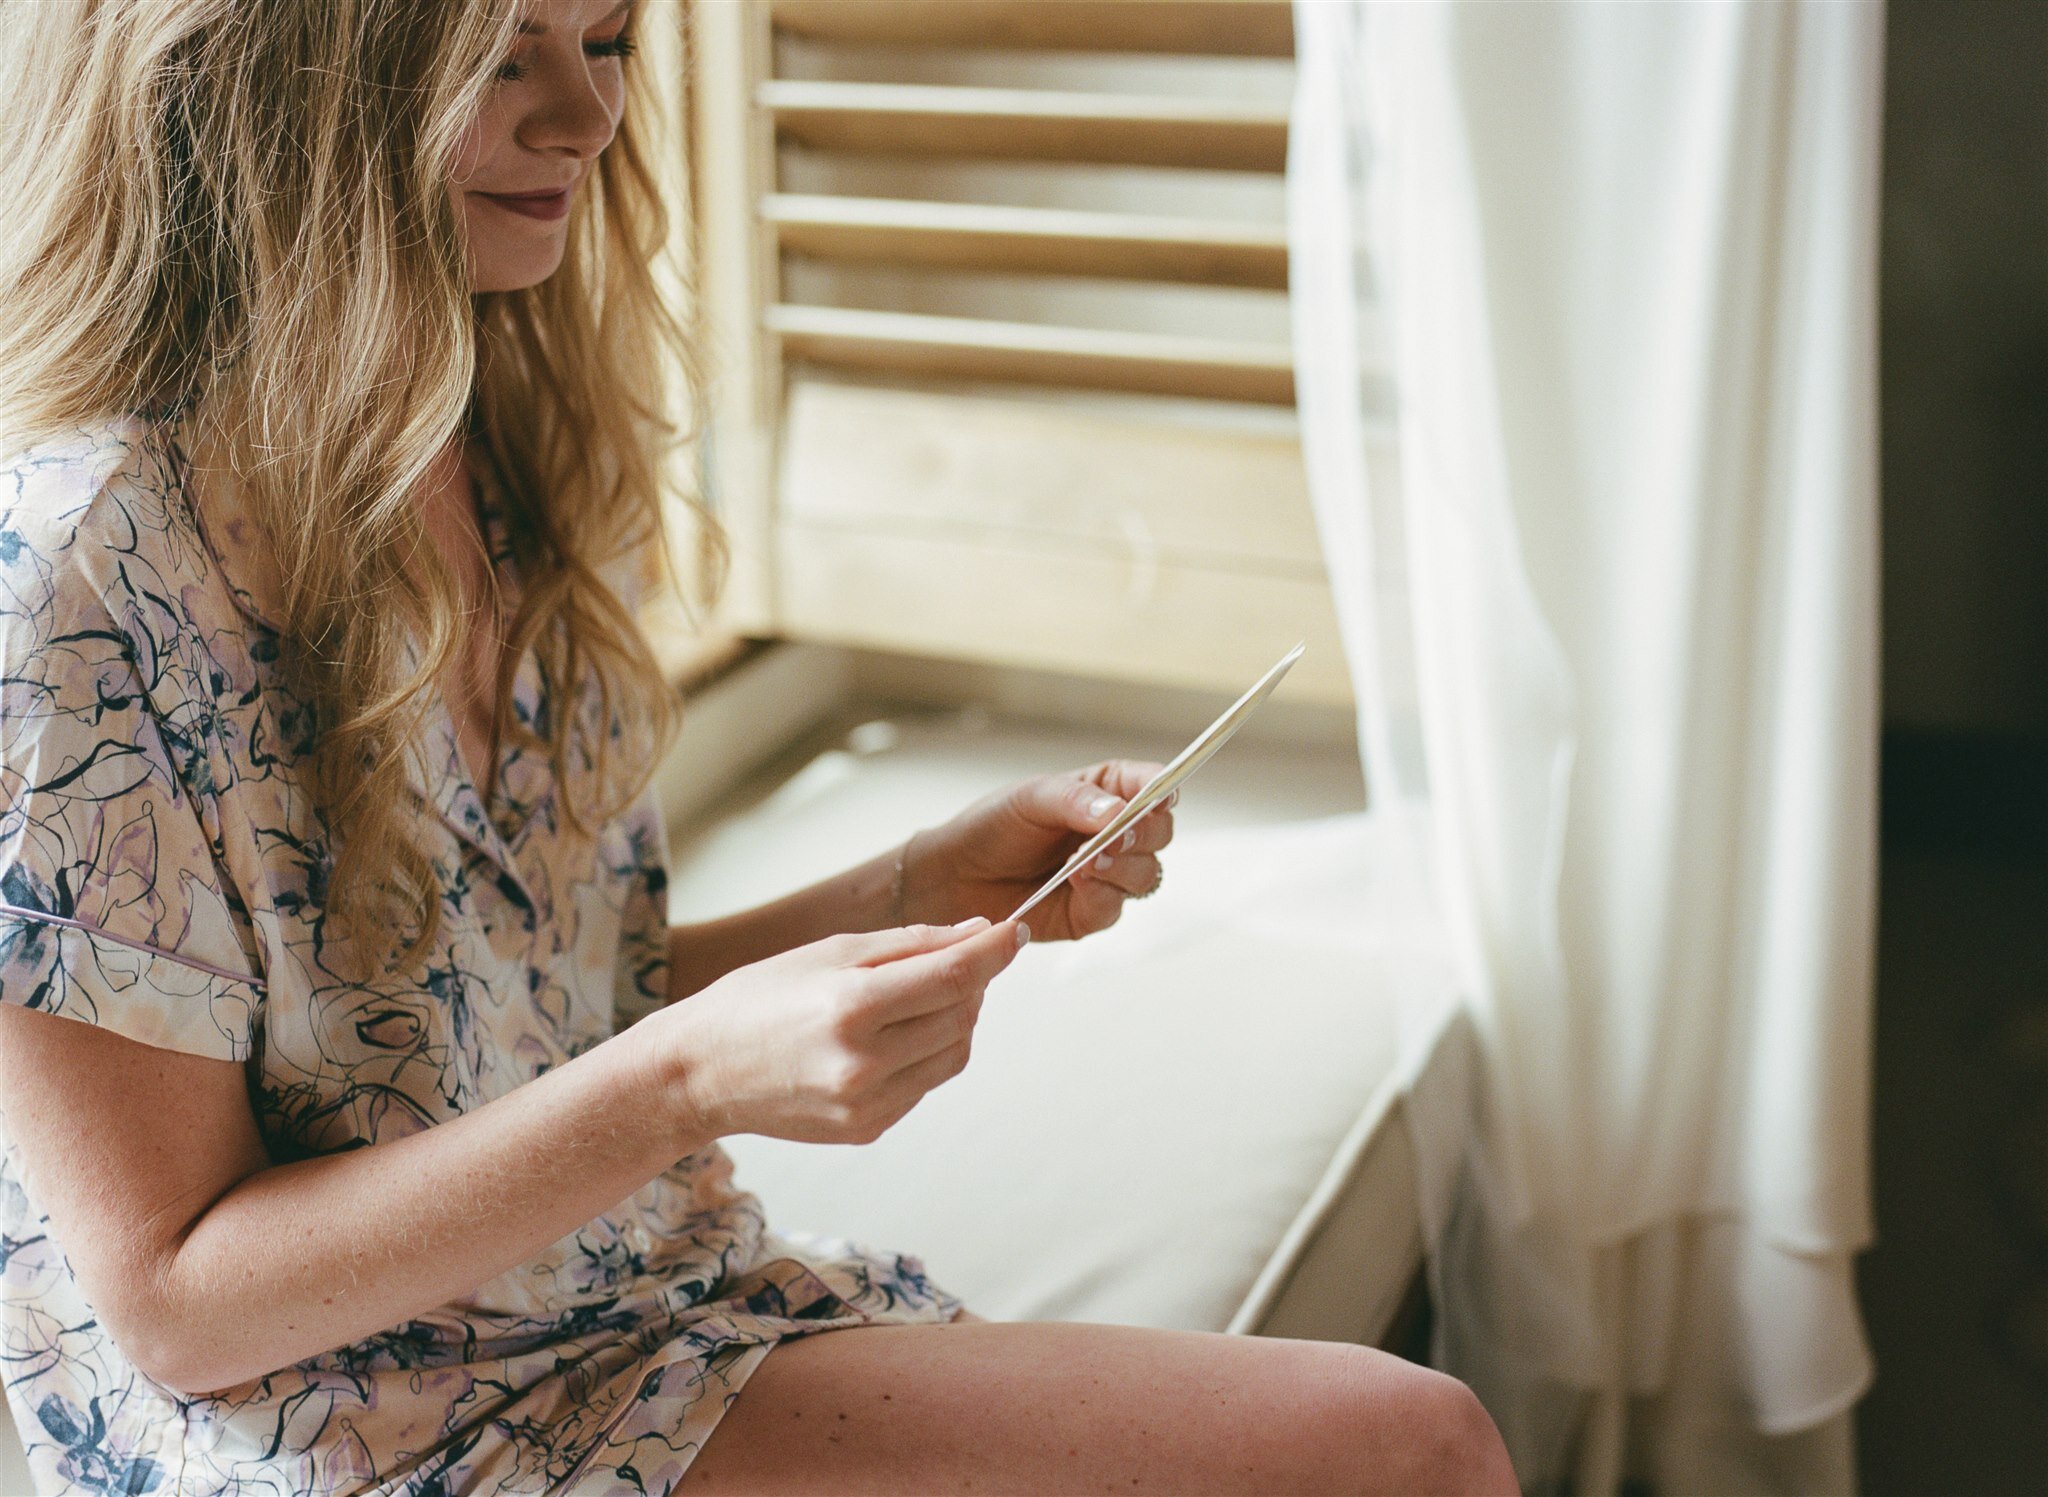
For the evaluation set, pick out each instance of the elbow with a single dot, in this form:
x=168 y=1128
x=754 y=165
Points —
x=175 y=1358
x=179 y=1352
x=193 y=1381
x=172 y=1323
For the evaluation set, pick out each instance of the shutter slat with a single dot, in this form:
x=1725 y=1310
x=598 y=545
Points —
x=1028 y=124
x=1218 y=28
x=1058 y=241
x=915 y=344
x=1031 y=353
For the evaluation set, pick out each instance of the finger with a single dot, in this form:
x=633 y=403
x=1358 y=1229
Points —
x=909 y=1041
x=1069 y=802
x=932 y=980
x=1153 y=831
x=1133 y=873
x=876 y=947
x=907 y=1089
x=1124 y=778
x=1149 y=833
x=1093 y=906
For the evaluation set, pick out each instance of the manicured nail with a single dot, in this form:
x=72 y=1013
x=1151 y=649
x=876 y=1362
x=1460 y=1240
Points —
x=1102 y=860
x=1023 y=934
x=973 y=922
x=1100 y=805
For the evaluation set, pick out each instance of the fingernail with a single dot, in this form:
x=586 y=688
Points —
x=1130 y=841
x=1101 y=804
x=1102 y=860
x=1023 y=934
x=974 y=922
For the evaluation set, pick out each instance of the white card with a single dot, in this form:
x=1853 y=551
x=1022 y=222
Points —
x=1169 y=779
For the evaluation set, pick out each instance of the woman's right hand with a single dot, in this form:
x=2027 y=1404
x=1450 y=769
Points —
x=835 y=1041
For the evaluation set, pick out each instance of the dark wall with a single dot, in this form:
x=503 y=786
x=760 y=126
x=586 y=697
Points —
x=1965 y=368
x=1956 y=1290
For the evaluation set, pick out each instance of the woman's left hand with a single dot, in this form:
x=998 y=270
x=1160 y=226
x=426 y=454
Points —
x=994 y=855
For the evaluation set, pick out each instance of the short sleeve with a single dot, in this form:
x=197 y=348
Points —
x=113 y=908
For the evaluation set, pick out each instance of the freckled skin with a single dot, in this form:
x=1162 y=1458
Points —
x=967 y=1407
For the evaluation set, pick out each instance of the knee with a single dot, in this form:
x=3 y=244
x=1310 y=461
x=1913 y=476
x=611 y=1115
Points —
x=1413 y=1430
x=1462 y=1450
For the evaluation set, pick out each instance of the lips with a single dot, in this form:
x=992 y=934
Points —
x=531 y=204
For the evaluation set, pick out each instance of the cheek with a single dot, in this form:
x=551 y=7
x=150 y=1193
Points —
x=472 y=155
x=471 y=152
x=476 y=147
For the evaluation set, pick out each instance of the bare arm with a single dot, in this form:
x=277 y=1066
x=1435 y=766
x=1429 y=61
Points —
x=860 y=899
x=984 y=861
x=212 y=1266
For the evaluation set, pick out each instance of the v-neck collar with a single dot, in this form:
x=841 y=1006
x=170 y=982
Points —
x=498 y=829
x=497 y=825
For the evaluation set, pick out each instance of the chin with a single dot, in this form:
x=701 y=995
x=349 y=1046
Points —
x=512 y=266
x=516 y=273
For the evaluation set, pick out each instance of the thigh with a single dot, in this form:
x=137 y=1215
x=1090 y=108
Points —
x=1041 y=1407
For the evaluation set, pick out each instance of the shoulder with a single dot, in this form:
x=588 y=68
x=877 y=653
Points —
x=91 y=485
x=98 y=508
x=95 y=525
x=110 y=602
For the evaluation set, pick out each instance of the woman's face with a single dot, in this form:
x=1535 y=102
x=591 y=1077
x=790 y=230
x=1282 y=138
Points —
x=554 y=107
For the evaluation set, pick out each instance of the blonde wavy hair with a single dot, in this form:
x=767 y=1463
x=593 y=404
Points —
x=240 y=210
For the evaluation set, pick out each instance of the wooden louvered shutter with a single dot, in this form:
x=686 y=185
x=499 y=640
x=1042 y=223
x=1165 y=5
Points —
x=995 y=293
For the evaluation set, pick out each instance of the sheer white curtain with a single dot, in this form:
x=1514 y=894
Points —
x=1585 y=306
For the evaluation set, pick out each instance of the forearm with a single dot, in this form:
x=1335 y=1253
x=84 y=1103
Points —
x=303 y=1257
x=861 y=899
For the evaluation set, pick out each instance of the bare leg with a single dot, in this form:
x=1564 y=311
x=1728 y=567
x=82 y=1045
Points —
x=1044 y=1407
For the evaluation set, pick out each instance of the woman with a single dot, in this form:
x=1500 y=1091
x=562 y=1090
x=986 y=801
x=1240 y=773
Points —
x=385 y=1157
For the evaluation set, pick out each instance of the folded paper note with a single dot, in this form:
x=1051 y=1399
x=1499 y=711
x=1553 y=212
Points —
x=1169 y=779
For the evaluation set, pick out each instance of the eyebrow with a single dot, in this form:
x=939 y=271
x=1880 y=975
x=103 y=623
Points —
x=539 y=28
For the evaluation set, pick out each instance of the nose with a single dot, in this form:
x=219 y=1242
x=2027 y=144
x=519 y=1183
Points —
x=572 y=115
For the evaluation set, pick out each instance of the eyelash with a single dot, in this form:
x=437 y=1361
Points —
x=620 y=46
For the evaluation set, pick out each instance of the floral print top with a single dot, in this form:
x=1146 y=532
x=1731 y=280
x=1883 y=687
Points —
x=160 y=874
